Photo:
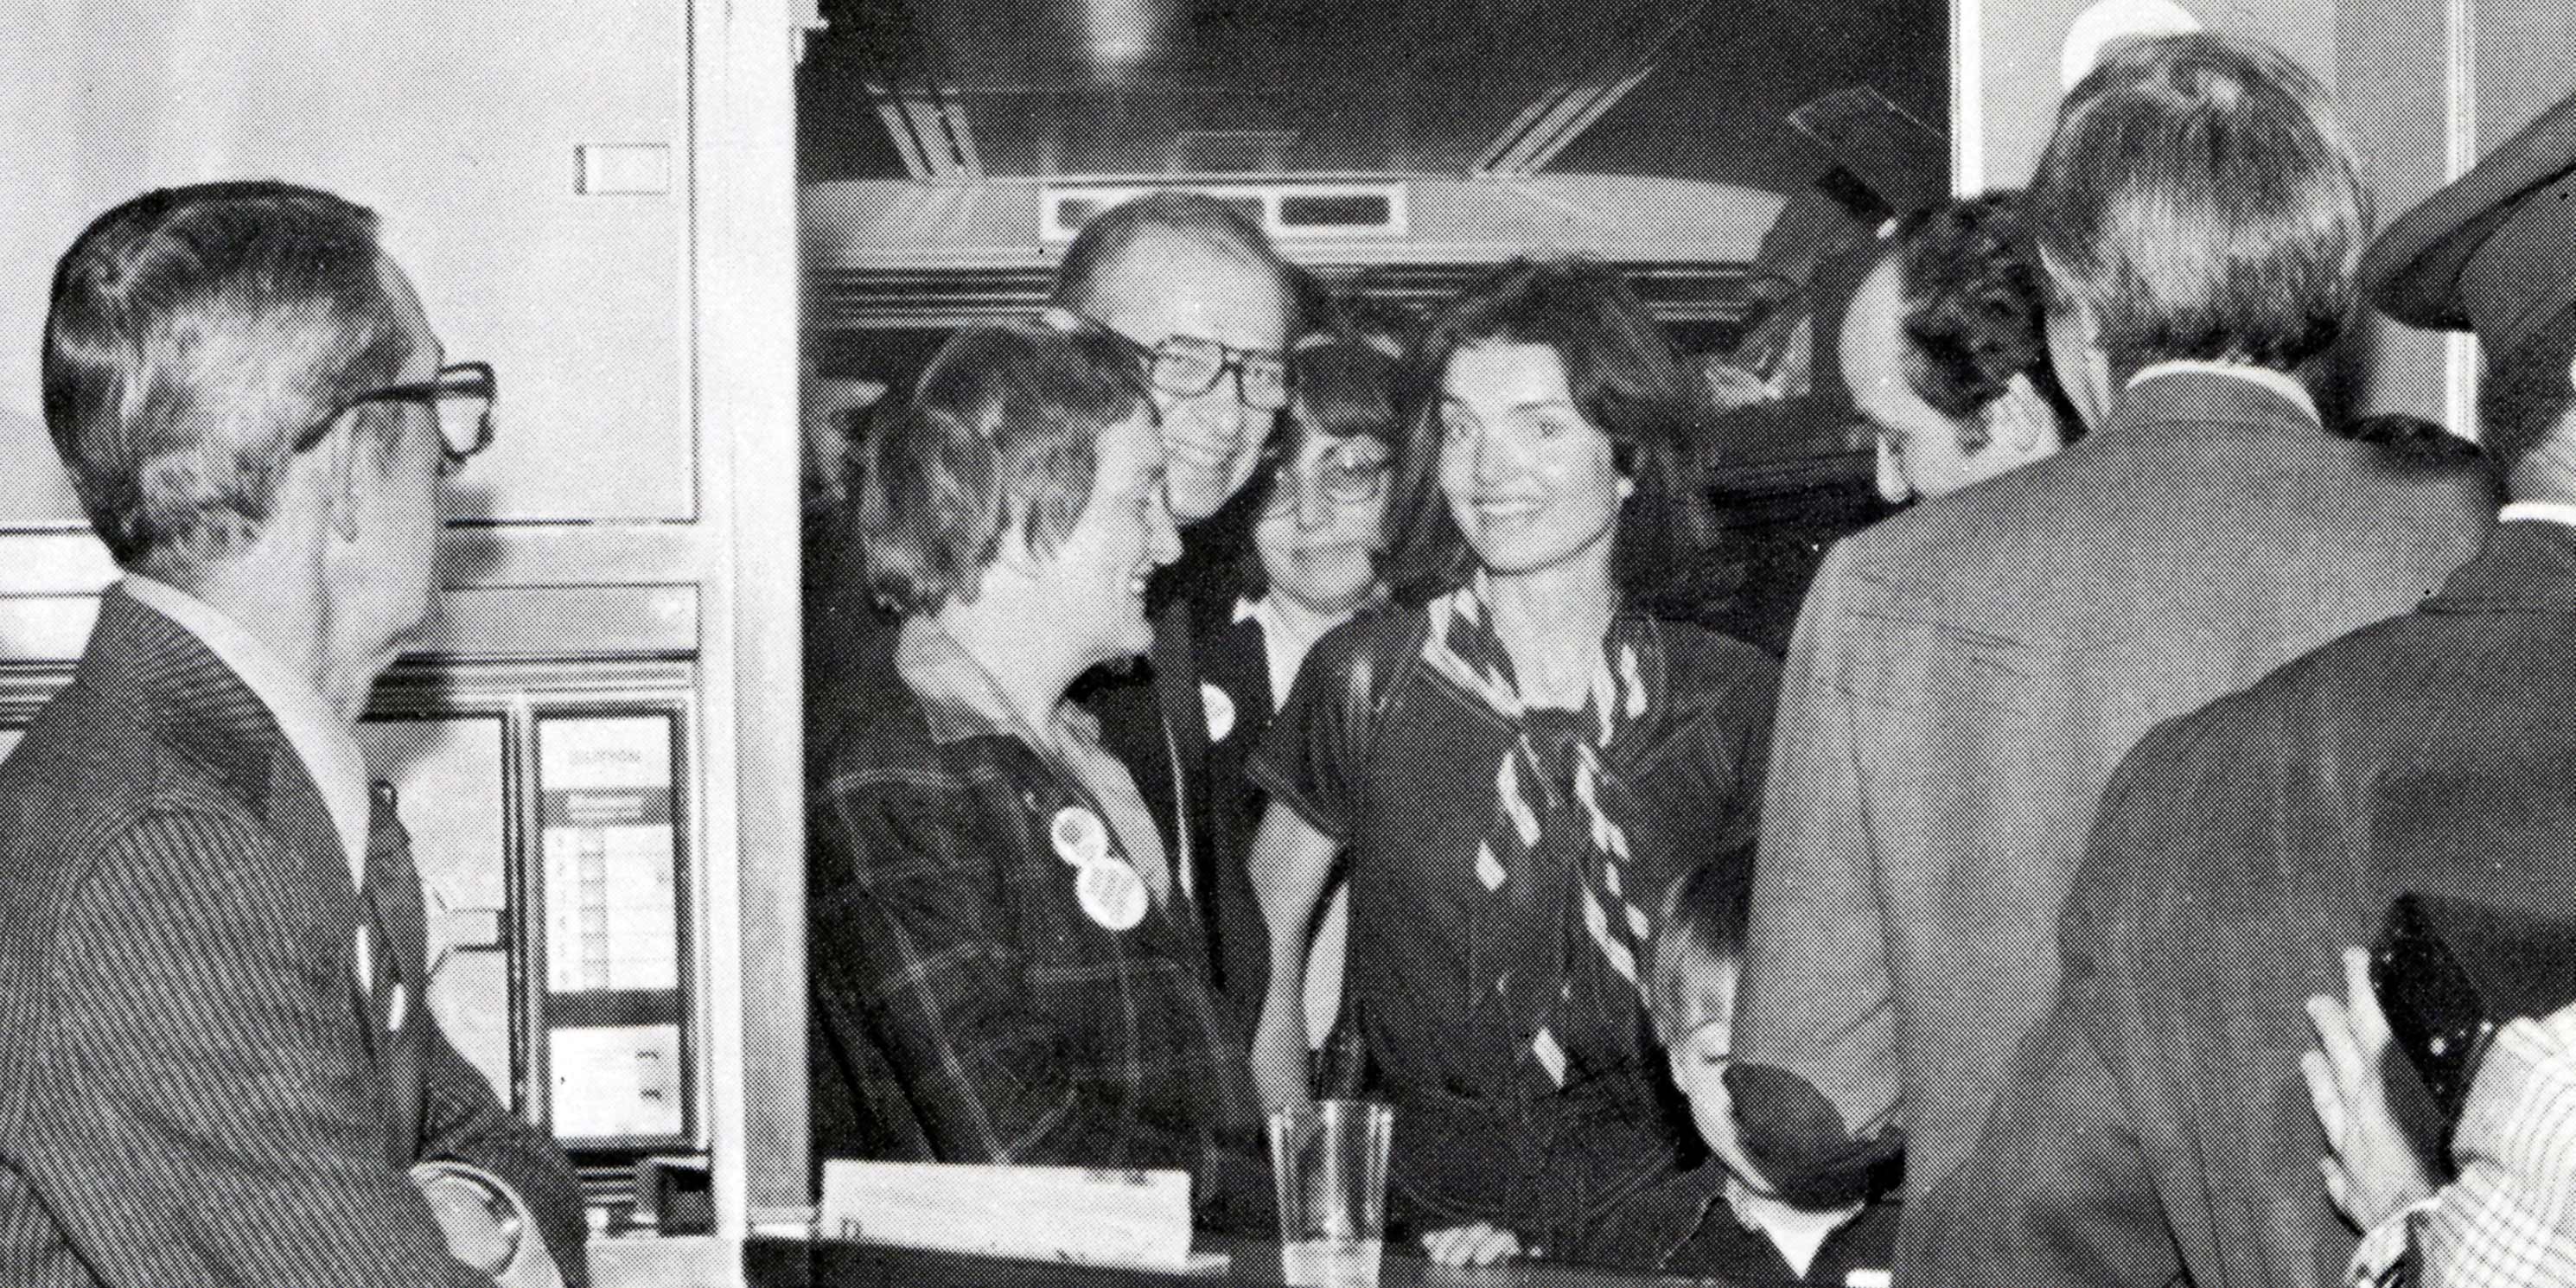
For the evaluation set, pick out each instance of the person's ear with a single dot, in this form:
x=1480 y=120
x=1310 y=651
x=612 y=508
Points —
x=342 y=477
x=1892 y=486
x=2075 y=348
x=2021 y=419
x=1014 y=548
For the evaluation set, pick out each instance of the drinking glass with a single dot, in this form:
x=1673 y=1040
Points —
x=1329 y=1159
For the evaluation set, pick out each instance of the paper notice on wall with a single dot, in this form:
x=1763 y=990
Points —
x=606 y=812
x=615 y=1081
x=1103 y=1218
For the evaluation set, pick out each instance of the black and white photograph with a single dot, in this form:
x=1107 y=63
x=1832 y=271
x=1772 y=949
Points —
x=1295 y=643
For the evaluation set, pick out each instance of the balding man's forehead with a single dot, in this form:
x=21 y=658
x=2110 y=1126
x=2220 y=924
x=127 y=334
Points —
x=1166 y=284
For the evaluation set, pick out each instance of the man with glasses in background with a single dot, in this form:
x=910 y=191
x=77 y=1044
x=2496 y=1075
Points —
x=1207 y=305
x=221 y=1066
x=1202 y=296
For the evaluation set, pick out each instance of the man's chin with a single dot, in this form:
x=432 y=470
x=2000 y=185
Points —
x=1195 y=494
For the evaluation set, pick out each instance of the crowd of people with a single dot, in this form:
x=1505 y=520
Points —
x=1976 y=941
x=1260 y=695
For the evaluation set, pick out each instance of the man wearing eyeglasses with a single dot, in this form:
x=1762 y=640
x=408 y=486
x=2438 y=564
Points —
x=1206 y=305
x=219 y=1064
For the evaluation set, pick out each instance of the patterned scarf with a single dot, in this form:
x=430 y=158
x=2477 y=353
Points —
x=1548 y=963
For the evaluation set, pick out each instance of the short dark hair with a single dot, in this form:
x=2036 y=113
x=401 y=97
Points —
x=1701 y=923
x=193 y=334
x=1002 y=430
x=2526 y=393
x=1342 y=385
x=2201 y=201
x=2407 y=441
x=1975 y=310
x=1626 y=378
x=1191 y=216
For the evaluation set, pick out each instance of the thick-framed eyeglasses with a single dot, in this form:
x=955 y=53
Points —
x=1186 y=366
x=463 y=395
x=1351 y=472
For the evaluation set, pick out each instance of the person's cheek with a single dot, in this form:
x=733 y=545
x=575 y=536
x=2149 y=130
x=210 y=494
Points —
x=1253 y=430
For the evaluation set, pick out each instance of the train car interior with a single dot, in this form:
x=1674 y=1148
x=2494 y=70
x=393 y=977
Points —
x=947 y=153
x=702 y=240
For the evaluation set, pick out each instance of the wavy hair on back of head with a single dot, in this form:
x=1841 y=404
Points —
x=1975 y=309
x=193 y=333
x=2200 y=200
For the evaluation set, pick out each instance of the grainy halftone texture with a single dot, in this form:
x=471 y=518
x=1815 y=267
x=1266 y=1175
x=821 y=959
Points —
x=1484 y=1129
x=1963 y=681
x=201 y=1090
x=2156 y=1124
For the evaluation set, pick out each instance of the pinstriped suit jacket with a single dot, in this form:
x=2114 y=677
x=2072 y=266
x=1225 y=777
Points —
x=193 y=1087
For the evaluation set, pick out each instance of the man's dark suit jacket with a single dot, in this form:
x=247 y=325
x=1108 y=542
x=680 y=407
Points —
x=2156 y=1125
x=195 y=1089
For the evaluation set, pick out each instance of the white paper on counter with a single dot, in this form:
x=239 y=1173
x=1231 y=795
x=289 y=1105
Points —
x=1107 y=1218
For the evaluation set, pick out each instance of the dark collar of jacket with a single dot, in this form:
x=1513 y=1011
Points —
x=2527 y=566
x=186 y=697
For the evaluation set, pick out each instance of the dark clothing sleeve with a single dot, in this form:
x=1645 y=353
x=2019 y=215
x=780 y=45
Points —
x=1739 y=738
x=913 y=927
x=464 y=1122
x=2154 y=1127
x=1308 y=761
x=2057 y=1191
x=212 y=1114
x=1644 y=1231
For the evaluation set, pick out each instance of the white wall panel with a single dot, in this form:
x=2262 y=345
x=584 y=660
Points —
x=459 y=122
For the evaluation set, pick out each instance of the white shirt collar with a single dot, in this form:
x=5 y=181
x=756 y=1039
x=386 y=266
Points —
x=2279 y=382
x=2546 y=511
x=314 y=732
x=1797 y=1233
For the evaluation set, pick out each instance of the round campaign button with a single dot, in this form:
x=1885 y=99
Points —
x=1220 y=711
x=1111 y=894
x=1081 y=839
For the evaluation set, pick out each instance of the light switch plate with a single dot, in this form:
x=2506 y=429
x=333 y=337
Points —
x=622 y=169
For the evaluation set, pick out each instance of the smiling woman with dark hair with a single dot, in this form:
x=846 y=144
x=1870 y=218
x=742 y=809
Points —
x=1515 y=763
x=1621 y=374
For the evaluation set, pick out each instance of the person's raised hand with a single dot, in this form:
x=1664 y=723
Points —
x=2371 y=1170
x=1470 y=1245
